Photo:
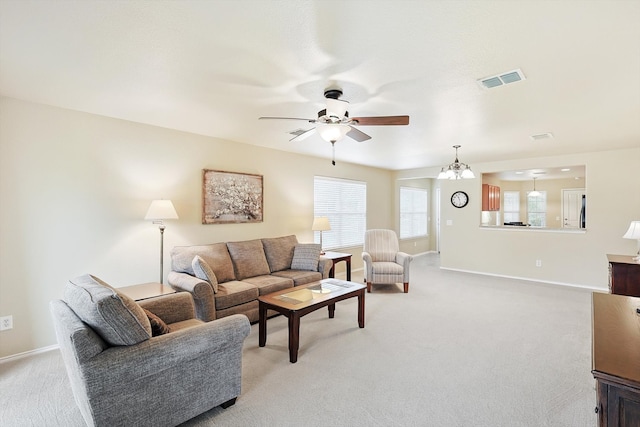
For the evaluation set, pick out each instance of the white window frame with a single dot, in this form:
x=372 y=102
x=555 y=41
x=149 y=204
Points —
x=414 y=204
x=537 y=209
x=344 y=202
x=511 y=206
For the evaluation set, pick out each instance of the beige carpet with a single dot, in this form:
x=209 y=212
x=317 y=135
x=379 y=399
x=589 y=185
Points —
x=457 y=350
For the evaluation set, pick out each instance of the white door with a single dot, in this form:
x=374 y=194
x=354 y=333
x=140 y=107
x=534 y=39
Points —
x=571 y=207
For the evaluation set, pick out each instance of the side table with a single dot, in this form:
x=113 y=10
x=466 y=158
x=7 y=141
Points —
x=335 y=258
x=146 y=290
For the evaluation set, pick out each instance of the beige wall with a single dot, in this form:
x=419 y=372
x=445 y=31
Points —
x=75 y=188
x=579 y=259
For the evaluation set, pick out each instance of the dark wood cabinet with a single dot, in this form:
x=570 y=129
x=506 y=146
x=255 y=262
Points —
x=624 y=275
x=616 y=359
x=490 y=197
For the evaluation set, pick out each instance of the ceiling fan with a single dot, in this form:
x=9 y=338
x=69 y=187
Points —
x=333 y=123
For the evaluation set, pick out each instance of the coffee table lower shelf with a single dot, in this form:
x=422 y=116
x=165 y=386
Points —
x=302 y=300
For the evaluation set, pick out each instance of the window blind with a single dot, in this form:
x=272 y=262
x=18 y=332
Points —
x=413 y=212
x=537 y=210
x=344 y=202
x=511 y=206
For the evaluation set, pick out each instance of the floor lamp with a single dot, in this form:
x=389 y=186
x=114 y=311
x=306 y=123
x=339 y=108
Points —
x=321 y=223
x=158 y=211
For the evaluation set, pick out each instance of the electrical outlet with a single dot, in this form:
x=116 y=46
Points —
x=6 y=322
x=538 y=263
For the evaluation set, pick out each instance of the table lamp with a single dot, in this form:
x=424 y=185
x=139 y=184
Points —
x=321 y=223
x=158 y=211
x=634 y=233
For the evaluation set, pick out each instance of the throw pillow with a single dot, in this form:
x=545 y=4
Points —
x=248 y=259
x=216 y=255
x=204 y=272
x=306 y=257
x=118 y=319
x=279 y=251
x=158 y=327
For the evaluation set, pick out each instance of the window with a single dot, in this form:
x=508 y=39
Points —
x=413 y=212
x=511 y=206
x=344 y=202
x=537 y=209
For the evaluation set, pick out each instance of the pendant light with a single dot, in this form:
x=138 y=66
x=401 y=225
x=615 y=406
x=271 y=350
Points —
x=534 y=193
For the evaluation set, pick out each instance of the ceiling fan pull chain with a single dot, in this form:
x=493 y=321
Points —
x=333 y=155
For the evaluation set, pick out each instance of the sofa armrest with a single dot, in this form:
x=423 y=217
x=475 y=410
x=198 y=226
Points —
x=171 y=308
x=324 y=266
x=368 y=266
x=200 y=290
x=136 y=364
x=403 y=259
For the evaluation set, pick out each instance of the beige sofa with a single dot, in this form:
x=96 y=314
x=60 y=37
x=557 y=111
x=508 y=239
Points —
x=227 y=278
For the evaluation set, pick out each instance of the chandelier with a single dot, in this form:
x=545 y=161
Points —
x=456 y=170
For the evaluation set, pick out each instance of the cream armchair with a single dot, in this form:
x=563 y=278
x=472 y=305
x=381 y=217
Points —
x=383 y=261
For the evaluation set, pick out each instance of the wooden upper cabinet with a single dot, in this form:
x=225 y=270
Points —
x=490 y=197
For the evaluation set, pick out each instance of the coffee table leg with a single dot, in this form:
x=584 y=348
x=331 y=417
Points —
x=361 y=309
x=262 y=319
x=294 y=337
x=332 y=310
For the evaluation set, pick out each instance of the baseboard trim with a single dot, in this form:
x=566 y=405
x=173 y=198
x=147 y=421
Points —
x=529 y=279
x=29 y=353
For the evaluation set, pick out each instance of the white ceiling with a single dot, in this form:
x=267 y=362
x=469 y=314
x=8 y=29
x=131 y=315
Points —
x=214 y=67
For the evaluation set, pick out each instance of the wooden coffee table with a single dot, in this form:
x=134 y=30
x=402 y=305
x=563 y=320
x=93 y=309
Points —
x=300 y=300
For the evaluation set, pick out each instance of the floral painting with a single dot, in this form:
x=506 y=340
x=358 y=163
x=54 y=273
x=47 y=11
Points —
x=229 y=197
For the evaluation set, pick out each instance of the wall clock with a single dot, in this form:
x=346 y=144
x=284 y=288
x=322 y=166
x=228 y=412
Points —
x=459 y=199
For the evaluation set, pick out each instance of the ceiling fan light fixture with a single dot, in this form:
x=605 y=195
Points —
x=337 y=108
x=457 y=169
x=331 y=132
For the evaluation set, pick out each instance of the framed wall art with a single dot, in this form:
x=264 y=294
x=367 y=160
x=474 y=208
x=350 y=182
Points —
x=231 y=197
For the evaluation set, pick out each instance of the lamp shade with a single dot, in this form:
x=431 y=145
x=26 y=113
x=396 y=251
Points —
x=331 y=132
x=321 y=223
x=633 y=232
x=161 y=209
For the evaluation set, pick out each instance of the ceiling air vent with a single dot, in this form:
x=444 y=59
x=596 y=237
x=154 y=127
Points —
x=501 y=79
x=541 y=136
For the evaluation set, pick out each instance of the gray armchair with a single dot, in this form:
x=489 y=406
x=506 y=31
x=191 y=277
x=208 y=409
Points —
x=384 y=263
x=121 y=375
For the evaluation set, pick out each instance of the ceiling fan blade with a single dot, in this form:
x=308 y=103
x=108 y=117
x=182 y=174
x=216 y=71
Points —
x=381 y=120
x=287 y=118
x=357 y=134
x=301 y=134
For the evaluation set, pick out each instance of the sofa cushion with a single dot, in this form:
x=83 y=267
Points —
x=158 y=327
x=203 y=271
x=235 y=293
x=299 y=277
x=118 y=319
x=279 y=251
x=268 y=284
x=248 y=258
x=216 y=255
x=306 y=257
